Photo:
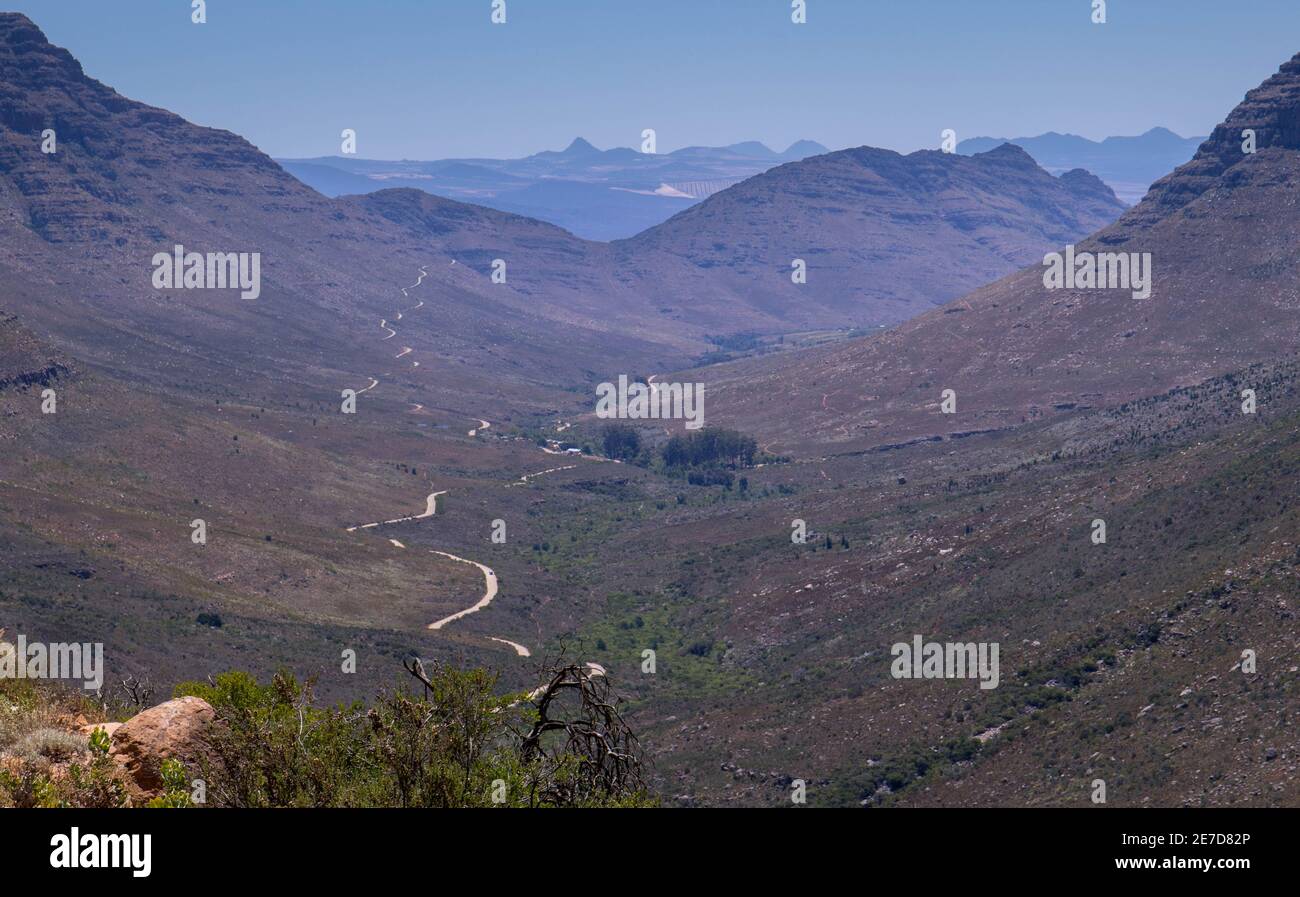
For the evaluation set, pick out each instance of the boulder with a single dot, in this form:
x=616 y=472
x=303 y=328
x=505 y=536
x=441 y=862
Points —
x=88 y=729
x=172 y=730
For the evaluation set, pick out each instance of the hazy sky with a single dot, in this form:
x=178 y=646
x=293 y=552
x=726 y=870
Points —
x=424 y=79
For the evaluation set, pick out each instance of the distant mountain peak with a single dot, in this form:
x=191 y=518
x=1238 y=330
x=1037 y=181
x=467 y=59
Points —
x=580 y=147
x=754 y=148
x=805 y=148
x=1127 y=164
x=1083 y=181
x=993 y=211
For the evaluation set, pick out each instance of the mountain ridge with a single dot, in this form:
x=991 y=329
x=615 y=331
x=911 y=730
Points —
x=876 y=213
x=102 y=195
x=1129 y=165
x=1015 y=350
x=596 y=194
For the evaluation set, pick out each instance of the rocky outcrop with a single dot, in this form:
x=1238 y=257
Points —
x=88 y=729
x=43 y=377
x=1271 y=111
x=175 y=730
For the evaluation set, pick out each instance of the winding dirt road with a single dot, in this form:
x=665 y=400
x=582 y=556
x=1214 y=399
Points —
x=519 y=649
x=523 y=480
x=430 y=508
x=489 y=592
x=490 y=584
x=383 y=322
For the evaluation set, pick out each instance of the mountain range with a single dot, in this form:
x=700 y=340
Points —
x=614 y=194
x=1223 y=297
x=1128 y=165
x=595 y=194
x=470 y=339
x=176 y=396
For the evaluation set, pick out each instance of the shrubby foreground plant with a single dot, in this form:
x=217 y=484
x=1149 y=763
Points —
x=452 y=742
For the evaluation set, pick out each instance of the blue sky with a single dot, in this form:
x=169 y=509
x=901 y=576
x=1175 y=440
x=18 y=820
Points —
x=424 y=79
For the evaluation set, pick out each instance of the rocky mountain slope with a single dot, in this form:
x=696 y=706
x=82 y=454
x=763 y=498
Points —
x=127 y=181
x=82 y=225
x=1120 y=660
x=1224 y=294
x=331 y=532
x=884 y=236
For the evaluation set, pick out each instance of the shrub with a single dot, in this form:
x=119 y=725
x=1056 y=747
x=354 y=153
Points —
x=51 y=745
x=34 y=783
x=176 y=787
x=272 y=748
x=456 y=744
x=22 y=711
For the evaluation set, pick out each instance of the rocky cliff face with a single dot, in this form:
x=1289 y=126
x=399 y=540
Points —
x=25 y=360
x=1271 y=110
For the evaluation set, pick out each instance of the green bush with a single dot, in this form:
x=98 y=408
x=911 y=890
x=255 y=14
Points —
x=456 y=744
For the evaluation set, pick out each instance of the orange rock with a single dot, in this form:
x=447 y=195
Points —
x=89 y=728
x=172 y=730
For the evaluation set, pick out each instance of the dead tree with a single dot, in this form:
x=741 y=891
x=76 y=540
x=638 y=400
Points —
x=415 y=667
x=139 y=692
x=580 y=740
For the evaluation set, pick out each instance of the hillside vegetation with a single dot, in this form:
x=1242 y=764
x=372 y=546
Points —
x=454 y=742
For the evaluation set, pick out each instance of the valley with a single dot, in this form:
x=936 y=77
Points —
x=370 y=443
